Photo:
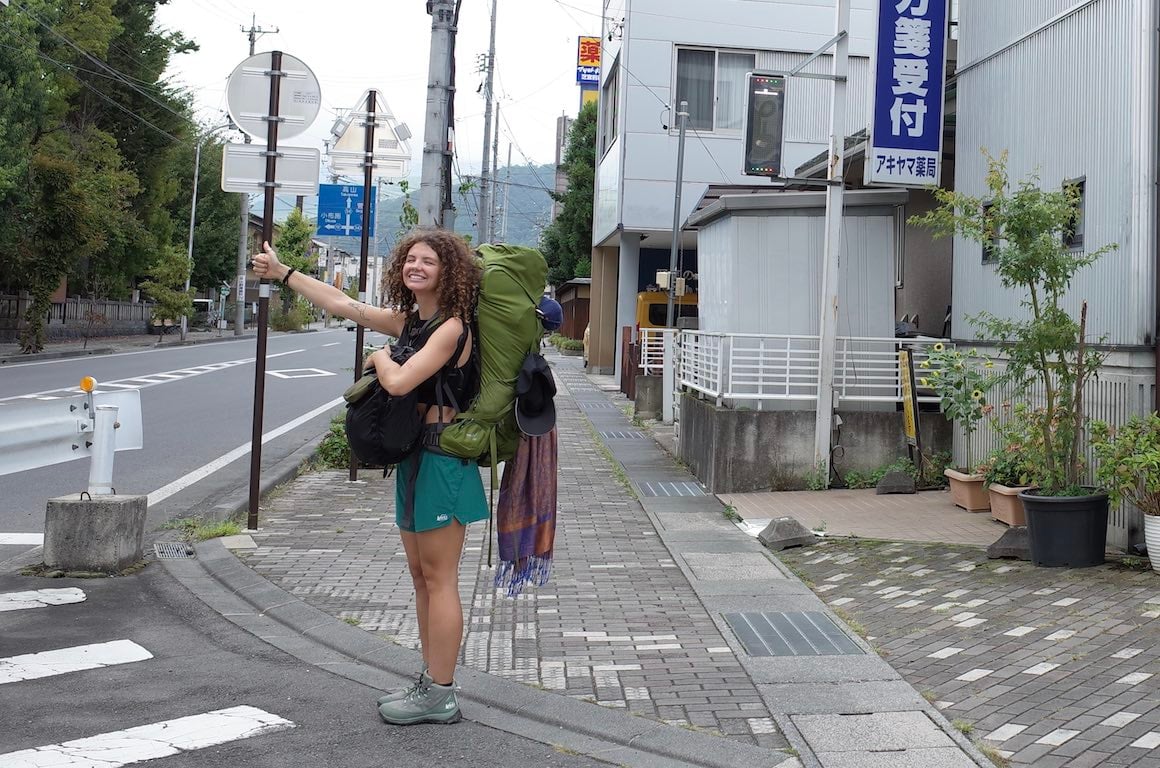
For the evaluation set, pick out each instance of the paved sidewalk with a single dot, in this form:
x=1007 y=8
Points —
x=636 y=617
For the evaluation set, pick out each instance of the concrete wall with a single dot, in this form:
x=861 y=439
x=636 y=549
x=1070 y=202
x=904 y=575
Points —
x=739 y=450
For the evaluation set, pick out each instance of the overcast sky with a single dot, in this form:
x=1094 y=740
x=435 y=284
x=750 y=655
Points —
x=353 y=45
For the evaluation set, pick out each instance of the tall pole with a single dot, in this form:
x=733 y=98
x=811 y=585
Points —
x=364 y=241
x=485 y=191
x=253 y=33
x=264 y=287
x=491 y=227
x=682 y=121
x=832 y=257
x=437 y=128
x=507 y=193
x=192 y=218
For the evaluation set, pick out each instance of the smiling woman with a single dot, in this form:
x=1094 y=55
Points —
x=431 y=289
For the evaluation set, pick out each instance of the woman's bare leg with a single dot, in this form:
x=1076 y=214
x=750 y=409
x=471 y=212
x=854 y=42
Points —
x=439 y=553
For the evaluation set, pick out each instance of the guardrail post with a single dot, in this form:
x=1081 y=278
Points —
x=103 y=450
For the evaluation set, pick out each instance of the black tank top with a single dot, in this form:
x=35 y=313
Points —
x=460 y=383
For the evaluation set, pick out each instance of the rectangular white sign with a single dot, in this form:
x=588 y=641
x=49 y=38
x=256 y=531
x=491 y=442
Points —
x=296 y=172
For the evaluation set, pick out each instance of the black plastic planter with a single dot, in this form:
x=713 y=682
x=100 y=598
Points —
x=1067 y=531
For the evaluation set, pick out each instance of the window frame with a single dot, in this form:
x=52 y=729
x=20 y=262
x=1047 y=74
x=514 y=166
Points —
x=1072 y=240
x=610 y=108
x=677 y=48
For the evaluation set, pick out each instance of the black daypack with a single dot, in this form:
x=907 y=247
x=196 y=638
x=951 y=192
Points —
x=383 y=429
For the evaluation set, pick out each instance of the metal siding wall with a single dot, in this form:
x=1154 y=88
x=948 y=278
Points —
x=987 y=25
x=807 y=117
x=1013 y=102
x=715 y=270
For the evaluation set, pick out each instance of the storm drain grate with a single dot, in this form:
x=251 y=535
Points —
x=622 y=435
x=595 y=406
x=790 y=633
x=168 y=550
x=669 y=489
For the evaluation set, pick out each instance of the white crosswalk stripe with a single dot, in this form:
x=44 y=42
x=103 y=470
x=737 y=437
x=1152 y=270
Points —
x=32 y=666
x=40 y=598
x=149 y=742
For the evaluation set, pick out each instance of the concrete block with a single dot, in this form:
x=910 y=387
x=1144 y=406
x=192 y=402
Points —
x=785 y=532
x=1014 y=543
x=648 y=397
x=895 y=482
x=99 y=534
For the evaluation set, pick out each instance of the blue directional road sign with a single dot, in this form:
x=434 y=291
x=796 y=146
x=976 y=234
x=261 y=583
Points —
x=340 y=210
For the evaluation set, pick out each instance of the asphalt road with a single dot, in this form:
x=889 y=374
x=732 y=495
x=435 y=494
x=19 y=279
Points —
x=195 y=663
x=197 y=408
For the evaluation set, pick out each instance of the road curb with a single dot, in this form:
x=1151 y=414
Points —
x=509 y=706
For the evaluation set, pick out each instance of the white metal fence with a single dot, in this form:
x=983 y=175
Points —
x=732 y=367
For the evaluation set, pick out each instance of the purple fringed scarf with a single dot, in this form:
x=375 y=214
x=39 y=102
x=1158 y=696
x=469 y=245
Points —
x=526 y=515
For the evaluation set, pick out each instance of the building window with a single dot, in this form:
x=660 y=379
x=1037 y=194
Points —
x=713 y=82
x=990 y=237
x=1073 y=232
x=609 y=107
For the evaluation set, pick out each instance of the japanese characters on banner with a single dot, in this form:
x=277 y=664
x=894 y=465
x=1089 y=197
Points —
x=905 y=146
x=588 y=60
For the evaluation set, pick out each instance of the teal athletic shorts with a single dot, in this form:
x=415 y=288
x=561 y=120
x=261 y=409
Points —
x=447 y=487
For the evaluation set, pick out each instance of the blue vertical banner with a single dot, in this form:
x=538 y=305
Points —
x=905 y=147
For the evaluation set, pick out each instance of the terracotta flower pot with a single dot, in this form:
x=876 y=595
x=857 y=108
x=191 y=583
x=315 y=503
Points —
x=1005 y=504
x=968 y=491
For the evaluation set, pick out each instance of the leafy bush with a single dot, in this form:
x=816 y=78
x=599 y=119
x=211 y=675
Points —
x=334 y=450
x=295 y=319
x=1129 y=461
x=961 y=388
x=571 y=344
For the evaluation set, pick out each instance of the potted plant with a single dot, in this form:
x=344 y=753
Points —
x=1023 y=231
x=961 y=388
x=1129 y=468
x=1007 y=472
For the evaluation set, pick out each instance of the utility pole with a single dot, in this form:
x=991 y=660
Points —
x=832 y=259
x=254 y=32
x=507 y=193
x=491 y=227
x=485 y=191
x=433 y=189
x=683 y=119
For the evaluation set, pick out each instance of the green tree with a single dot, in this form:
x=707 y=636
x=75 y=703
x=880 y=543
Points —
x=568 y=240
x=166 y=285
x=57 y=224
x=293 y=245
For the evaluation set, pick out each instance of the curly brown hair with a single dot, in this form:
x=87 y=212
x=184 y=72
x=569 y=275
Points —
x=459 y=274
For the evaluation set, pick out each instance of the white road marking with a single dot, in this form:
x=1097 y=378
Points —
x=39 y=598
x=300 y=373
x=332 y=344
x=184 y=482
x=22 y=539
x=149 y=742
x=31 y=666
x=149 y=379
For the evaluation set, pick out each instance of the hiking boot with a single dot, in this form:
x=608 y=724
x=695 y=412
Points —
x=401 y=693
x=427 y=703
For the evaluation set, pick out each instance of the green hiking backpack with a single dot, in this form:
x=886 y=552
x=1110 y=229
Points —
x=508 y=329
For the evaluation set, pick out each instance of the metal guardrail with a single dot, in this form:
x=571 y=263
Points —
x=38 y=433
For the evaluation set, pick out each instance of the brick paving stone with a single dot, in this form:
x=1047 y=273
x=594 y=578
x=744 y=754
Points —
x=615 y=598
x=1082 y=620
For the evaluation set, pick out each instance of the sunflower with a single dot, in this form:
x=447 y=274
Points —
x=924 y=364
x=977 y=394
x=939 y=347
x=924 y=382
x=989 y=364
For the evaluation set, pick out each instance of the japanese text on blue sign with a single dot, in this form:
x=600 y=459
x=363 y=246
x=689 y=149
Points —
x=340 y=210
x=906 y=137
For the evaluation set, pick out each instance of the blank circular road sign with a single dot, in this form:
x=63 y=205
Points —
x=248 y=96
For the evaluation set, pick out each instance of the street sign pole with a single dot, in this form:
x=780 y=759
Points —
x=364 y=243
x=275 y=74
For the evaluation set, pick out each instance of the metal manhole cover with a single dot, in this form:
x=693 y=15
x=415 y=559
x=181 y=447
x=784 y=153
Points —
x=168 y=550
x=790 y=633
x=669 y=489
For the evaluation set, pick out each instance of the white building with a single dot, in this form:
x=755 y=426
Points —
x=659 y=52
